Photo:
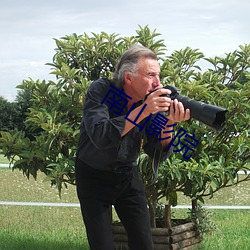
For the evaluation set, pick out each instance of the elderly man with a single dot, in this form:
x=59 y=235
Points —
x=116 y=116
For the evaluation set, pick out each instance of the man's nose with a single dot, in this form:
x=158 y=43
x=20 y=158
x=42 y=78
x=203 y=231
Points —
x=157 y=82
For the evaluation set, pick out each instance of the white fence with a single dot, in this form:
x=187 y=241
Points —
x=2 y=165
x=61 y=204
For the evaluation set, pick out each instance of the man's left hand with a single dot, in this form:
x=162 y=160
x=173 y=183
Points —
x=177 y=113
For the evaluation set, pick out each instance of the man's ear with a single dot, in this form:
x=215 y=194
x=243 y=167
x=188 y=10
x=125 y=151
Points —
x=128 y=78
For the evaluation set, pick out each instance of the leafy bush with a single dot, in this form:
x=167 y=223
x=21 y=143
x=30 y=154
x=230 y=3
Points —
x=52 y=123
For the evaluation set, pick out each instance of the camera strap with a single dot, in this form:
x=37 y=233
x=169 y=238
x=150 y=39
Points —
x=156 y=159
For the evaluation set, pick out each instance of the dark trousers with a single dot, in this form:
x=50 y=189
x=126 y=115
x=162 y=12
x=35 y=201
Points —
x=98 y=191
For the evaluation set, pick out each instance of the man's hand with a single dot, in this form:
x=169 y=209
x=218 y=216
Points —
x=157 y=103
x=177 y=113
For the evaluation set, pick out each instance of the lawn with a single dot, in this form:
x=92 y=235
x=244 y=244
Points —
x=55 y=228
x=3 y=160
x=35 y=228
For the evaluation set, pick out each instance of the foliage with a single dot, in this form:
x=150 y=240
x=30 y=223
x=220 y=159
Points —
x=13 y=114
x=48 y=142
x=219 y=156
x=10 y=115
x=202 y=218
x=23 y=102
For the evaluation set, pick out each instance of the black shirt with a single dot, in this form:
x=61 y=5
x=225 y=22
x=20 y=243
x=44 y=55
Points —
x=101 y=145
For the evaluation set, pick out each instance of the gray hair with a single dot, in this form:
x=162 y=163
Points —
x=129 y=61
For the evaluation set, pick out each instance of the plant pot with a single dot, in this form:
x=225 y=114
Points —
x=181 y=236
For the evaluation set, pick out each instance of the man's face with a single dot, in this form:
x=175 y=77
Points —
x=147 y=78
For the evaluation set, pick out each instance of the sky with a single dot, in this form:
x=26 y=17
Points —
x=28 y=27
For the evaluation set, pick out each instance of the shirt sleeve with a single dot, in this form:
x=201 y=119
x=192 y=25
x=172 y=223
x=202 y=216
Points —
x=103 y=130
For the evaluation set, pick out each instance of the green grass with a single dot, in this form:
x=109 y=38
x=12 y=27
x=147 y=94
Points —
x=233 y=231
x=3 y=159
x=17 y=187
x=35 y=228
x=54 y=228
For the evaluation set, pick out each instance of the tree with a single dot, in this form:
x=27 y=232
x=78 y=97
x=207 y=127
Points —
x=10 y=115
x=56 y=109
x=13 y=114
x=219 y=156
x=23 y=103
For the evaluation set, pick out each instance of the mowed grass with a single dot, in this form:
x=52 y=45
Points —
x=33 y=227
x=50 y=228
x=61 y=228
x=233 y=231
x=3 y=159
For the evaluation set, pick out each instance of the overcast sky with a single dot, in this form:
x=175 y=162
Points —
x=27 y=29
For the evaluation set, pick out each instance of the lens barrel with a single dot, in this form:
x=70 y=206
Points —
x=211 y=115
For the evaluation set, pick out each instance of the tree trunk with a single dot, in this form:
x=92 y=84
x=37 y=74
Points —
x=194 y=205
x=168 y=216
x=152 y=207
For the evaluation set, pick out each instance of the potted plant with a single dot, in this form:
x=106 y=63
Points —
x=218 y=157
x=51 y=127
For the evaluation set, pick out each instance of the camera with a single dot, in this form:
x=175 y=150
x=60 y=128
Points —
x=211 y=115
